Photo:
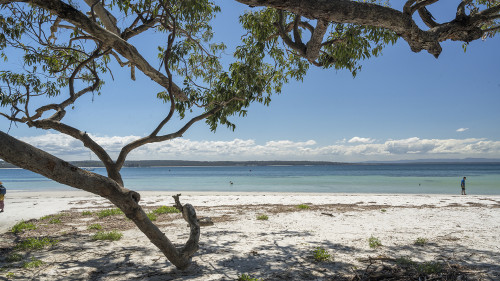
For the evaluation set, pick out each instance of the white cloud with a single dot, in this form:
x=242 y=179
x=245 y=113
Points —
x=356 y=149
x=462 y=130
x=361 y=140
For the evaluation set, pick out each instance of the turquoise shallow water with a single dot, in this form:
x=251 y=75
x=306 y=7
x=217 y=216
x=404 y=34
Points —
x=377 y=178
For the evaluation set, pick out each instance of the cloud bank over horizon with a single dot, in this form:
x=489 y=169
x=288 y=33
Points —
x=354 y=150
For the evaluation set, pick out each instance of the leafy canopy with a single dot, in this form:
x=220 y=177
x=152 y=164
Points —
x=62 y=58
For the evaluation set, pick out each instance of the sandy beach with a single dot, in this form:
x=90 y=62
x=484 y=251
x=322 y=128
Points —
x=457 y=234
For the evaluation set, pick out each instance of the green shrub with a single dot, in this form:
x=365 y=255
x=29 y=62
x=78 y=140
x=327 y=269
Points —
x=263 y=217
x=14 y=257
x=22 y=226
x=10 y=275
x=109 y=212
x=34 y=263
x=152 y=216
x=95 y=226
x=86 y=213
x=245 y=277
x=320 y=254
x=303 y=206
x=383 y=210
x=112 y=235
x=165 y=210
x=36 y=243
x=420 y=241
x=374 y=242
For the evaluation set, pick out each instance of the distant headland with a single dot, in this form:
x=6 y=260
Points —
x=187 y=163
x=190 y=163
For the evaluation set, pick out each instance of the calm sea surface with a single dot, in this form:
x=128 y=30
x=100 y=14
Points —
x=483 y=178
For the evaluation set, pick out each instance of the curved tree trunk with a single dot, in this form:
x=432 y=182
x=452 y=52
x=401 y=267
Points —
x=31 y=158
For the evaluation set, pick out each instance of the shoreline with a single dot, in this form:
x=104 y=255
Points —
x=26 y=205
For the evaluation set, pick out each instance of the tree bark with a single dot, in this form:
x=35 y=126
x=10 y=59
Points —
x=31 y=158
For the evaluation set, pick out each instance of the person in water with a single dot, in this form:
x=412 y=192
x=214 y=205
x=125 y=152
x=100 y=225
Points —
x=462 y=184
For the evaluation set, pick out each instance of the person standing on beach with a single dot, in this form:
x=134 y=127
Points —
x=3 y=190
x=462 y=184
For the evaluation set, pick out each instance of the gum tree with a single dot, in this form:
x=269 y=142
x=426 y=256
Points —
x=70 y=48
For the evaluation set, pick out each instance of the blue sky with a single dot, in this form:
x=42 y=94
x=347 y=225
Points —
x=402 y=105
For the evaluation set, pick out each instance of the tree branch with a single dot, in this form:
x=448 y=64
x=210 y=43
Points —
x=315 y=43
x=121 y=46
x=152 y=139
x=107 y=19
x=427 y=17
x=369 y=14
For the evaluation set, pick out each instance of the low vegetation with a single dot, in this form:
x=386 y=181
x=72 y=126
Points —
x=321 y=255
x=86 y=213
x=152 y=216
x=34 y=263
x=94 y=226
x=263 y=217
x=109 y=212
x=111 y=235
x=420 y=241
x=421 y=268
x=374 y=242
x=14 y=257
x=36 y=243
x=245 y=277
x=303 y=206
x=55 y=221
x=166 y=210
x=22 y=226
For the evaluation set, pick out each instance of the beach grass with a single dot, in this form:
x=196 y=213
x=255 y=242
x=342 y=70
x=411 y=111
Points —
x=152 y=216
x=111 y=235
x=321 y=255
x=14 y=257
x=55 y=221
x=165 y=210
x=22 y=226
x=303 y=206
x=109 y=212
x=246 y=277
x=263 y=217
x=94 y=226
x=420 y=241
x=374 y=242
x=53 y=217
x=86 y=213
x=36 y=243
x=34 y=263
x=427 y=267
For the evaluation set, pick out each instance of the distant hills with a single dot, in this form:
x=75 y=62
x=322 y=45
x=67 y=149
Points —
x=186 y=163
x=437 y=161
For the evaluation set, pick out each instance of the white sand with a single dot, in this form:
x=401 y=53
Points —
x=457 y=228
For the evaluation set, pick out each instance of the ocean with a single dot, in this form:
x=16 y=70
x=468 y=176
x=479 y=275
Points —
x=482 y=178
